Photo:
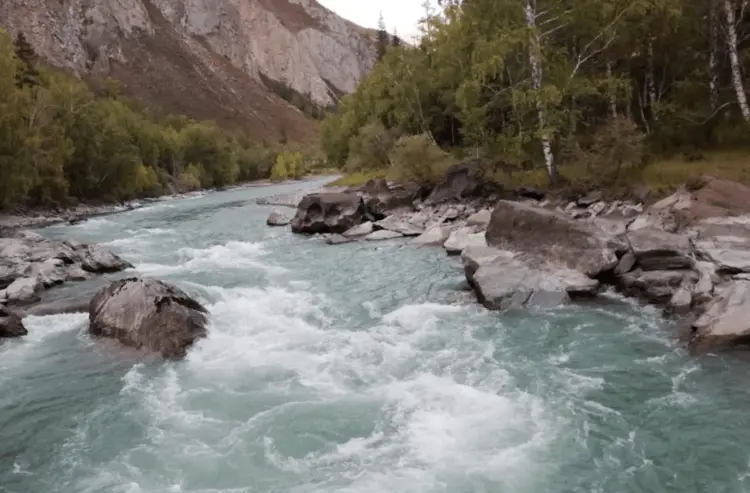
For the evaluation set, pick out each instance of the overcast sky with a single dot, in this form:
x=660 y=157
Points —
x=401 y=14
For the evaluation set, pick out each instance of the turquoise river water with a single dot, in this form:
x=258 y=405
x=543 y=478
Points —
x=362 y=368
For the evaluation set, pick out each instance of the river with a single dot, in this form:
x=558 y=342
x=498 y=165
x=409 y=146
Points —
x=360 y=368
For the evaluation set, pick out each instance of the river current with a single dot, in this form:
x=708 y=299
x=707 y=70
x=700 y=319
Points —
x=361 y=368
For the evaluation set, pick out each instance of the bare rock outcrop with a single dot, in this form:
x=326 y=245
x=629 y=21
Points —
x=148 y=314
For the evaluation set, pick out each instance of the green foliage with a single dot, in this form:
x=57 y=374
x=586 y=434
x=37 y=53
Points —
x=370 y=148
x=418 y=159
x=59 y=141
x=288 y=165
x=601 y=85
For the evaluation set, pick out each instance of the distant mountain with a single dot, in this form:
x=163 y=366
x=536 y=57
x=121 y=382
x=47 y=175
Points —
x=226 y=60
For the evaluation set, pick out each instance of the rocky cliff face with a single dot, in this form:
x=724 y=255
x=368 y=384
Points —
x=207 y=58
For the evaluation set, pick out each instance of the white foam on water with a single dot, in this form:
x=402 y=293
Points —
x=435 y=427
x=19 y=351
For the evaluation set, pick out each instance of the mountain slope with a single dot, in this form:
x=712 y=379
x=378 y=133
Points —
x=205 y=58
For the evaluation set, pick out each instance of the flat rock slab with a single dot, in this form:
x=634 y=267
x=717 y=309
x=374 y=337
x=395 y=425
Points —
x=383 y=234
x=359 y=230
x=405 y=224
x=435 y=236
x=505 y=283
x=552 y=236
x=725 y=242
x=658 y=250
x=463 y=238
x=726 y=321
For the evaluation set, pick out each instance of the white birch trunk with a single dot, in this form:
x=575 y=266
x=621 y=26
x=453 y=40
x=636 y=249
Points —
x=612 y=99
x=537 y=76
x=713 y=62
x=734 y=60
x=651 y=82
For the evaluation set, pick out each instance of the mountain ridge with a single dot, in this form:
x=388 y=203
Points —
x=205 y=58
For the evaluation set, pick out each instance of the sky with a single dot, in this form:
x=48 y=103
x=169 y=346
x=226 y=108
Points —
x=400 y=14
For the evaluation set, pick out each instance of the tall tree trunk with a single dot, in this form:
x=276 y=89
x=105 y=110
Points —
x=734 y=60
x=537 y=76
x=651 y=80
x=713 y=61
x=612 y=98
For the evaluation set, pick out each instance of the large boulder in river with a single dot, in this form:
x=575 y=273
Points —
x=552 y=236
x=725 y=321
x=503 y=281
x=147 y=314
x=328 y=213
x=10 y=324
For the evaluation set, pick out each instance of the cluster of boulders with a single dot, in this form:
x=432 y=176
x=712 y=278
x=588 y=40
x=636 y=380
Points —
x=140 y=313
x=689 y=252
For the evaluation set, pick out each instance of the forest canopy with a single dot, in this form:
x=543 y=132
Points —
x=555 y=84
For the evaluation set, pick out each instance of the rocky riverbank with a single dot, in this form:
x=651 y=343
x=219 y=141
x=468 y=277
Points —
x=688 y=253
x=31 y=264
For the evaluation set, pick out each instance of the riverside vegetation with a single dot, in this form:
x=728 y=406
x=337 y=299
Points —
x=615 y=93
x=62 y=142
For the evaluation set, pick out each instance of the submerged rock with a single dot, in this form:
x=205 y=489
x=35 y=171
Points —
x=10 y=324
x=328 y=213
x=277 y=218
x=147 y=314
x=338 y=240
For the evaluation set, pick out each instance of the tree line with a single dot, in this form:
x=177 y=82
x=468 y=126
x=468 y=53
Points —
x=62 y=142
x=552 y=84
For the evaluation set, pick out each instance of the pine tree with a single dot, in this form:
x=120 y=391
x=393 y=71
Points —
x=395 y=40
x=382 y=45
x=29 y=76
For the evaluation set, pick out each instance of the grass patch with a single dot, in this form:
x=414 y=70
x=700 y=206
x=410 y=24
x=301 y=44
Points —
x=666 y=175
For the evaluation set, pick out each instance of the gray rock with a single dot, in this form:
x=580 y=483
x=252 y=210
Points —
x=681 y=301
x=23 y=290
x=401 y=223
x=463 y=238
x=383 y=234
x=76 y=273
x=726 y=321
x=509 y=283
x=435 y=236
x=554 y=237
x=589 y=199
x=597 y=208
x=338 y=240
x=474 y=257
x=277 y=218
x=725 y=242
x=328 y=213
x=49 y=273
x=656 y=286
x=147 y=314
x=10 y=324
x=359 y=230
x=461 y=181
x=626 y=264
x=659 y=250
x=99 y=260
x=480 y=219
